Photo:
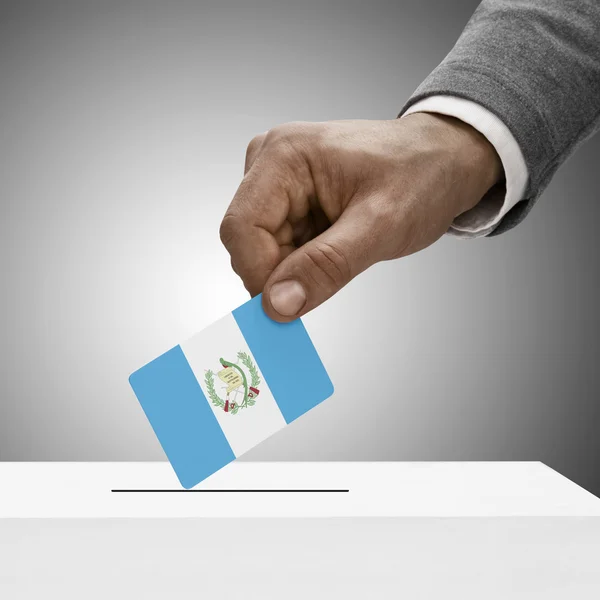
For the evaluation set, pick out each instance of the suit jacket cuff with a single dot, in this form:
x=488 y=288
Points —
x=489 y=212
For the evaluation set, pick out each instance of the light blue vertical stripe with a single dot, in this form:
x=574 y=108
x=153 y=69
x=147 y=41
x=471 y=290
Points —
x=287 y=359
x=181 y=417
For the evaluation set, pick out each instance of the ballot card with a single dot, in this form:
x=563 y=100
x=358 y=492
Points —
x=212 y=398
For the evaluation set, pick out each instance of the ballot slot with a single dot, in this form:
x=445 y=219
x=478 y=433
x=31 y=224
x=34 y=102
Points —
x=260 y=491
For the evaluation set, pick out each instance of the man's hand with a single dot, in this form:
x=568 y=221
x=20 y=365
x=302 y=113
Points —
x=322 y=202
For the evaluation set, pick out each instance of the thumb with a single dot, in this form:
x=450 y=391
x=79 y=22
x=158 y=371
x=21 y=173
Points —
x=317 y=270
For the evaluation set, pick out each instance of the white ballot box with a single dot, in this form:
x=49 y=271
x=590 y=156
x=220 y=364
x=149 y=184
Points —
x=297 y=530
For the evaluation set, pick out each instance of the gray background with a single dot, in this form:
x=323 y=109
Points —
x=123 y=128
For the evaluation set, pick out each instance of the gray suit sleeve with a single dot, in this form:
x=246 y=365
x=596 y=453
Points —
x=536 y=65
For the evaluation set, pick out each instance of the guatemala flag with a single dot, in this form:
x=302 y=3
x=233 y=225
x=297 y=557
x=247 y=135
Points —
x=212 y=398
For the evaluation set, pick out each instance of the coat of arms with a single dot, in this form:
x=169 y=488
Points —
x=241 y=388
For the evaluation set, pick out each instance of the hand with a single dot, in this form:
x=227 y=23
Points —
x=322 y=202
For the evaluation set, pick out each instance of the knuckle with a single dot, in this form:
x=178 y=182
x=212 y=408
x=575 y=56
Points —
x=328 y=261
x=287 y=134
x=255 y=144
x=288 y=146
x=228 y=229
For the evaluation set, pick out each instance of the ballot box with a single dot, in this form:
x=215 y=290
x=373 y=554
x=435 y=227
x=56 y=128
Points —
x=297 y=530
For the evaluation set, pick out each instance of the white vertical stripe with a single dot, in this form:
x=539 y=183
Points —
x=253 y=424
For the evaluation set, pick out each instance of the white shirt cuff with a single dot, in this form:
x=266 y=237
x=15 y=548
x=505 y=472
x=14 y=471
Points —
x=483 y=218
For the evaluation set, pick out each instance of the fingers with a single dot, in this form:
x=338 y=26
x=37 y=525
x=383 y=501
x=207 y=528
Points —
x=320 y=268
x=257 y=229
x=249 y=231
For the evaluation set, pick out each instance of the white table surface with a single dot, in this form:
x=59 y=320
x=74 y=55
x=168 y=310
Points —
x=414 y=530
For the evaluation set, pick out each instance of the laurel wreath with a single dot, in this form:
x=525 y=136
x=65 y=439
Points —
x=247 y=362
x=209 y=378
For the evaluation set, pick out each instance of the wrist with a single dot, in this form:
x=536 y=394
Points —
x=471 y=159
